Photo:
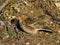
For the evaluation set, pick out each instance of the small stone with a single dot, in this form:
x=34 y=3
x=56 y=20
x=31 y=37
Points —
x=27 y=43
x=2 y=23
x=57 y=41
x=6 y=35
x=38 y=44
x=17 y=9
x=32 y=11
x=25 y=2
x=59 y=32
x=13 y=16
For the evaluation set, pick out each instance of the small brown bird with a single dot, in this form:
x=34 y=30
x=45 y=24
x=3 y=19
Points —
x=32 y=29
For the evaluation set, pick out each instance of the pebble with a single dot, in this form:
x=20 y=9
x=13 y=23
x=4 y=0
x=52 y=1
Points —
x=57 y=41
x=27 y=43
x=2 y=23
x=38 y=44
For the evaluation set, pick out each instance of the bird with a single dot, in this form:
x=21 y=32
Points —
x=24 y=29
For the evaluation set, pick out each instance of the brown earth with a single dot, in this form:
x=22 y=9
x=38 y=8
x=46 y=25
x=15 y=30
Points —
x=43 y=13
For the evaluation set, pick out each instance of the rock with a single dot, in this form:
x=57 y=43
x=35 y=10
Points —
x=2 y=23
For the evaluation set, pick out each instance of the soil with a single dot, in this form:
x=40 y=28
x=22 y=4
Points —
x=29 y=9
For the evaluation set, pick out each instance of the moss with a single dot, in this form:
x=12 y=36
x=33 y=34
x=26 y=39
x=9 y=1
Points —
x=13 y=34
x=24 y=33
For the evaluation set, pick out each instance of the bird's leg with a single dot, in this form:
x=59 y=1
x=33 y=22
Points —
x=16 y=31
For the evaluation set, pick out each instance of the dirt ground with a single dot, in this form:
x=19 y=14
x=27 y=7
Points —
x=10 y=37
